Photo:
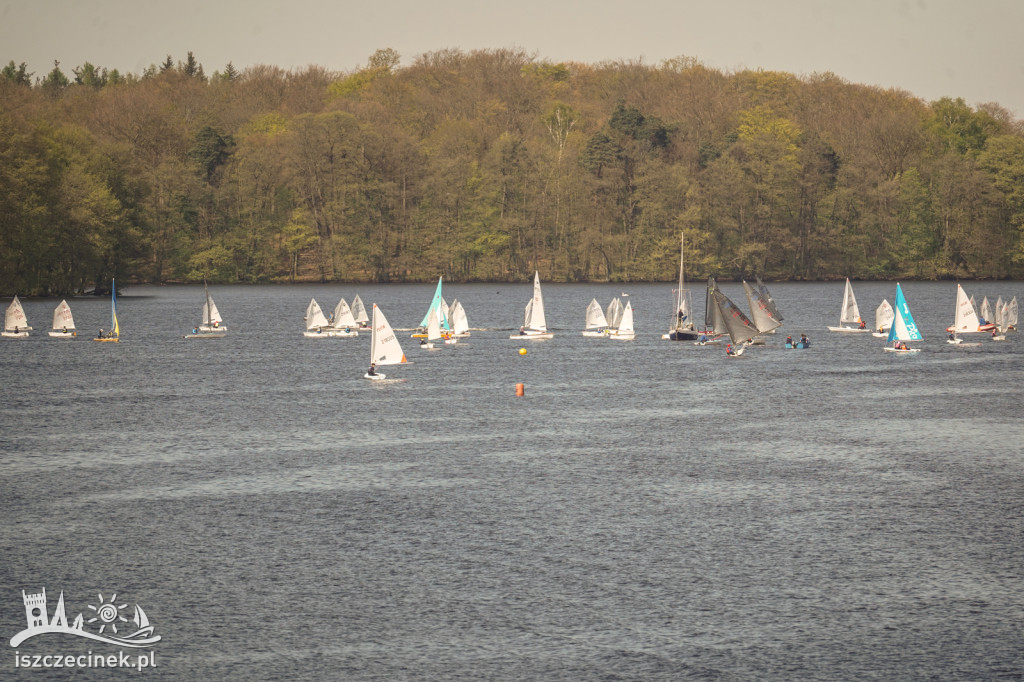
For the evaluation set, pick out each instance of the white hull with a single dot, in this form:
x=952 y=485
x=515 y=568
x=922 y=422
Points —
x=70 y=334
x=622 y=336
x=880 y=335
x=533 y=336
x=888 y=349
x=593 y=334
x=850 y=330
x=16 y=335
x=206 y=335
x=209 y=328
x=342 y=333
x=375 y=377
x=317 y=335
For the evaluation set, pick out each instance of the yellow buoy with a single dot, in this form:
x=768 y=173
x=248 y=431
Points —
x=522 y=351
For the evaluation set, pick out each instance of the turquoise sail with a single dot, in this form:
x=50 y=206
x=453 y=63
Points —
x=903 y=326
x=435 y=304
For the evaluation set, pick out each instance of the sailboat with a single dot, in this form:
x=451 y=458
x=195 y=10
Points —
x=433 y=330
x=903 y=327
x=317 y=325
x=624 y=331
x=359 y=313
x=761 y=311
x=460 y=323
x=883 y=319
x=212 y=321
x=613 y=313
x=767 y=297
x=682 y=327
x=729 y=319
x=437 y=303
x=1008 y=316
x=210 y=327
x=15 y=321
x=714 y=325
x=534 y=323
x=114 y=335
x=384 y=346
x=596 y=322
x=964 y=318
x=974 y=324
x=985 y=314
x=343 y=322
x=849 y=313
x=63 y=323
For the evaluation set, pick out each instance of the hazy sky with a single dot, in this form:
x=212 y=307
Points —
x=930 y=48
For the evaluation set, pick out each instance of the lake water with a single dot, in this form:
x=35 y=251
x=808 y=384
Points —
x=647 y=510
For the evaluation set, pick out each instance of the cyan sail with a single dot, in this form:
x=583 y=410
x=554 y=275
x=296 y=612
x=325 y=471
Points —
x=437 y=304
x=903 y=326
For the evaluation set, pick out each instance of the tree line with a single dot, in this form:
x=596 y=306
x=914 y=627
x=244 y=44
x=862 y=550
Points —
x=487 y=165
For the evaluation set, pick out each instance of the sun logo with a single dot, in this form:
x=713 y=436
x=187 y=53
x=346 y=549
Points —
x=108 y=614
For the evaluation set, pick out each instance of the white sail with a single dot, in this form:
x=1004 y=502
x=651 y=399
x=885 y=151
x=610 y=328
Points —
x=999 y=311
x=211 y=319
x=625 y=327
x=986 y=316
x=315 y=319
x=359 y=310
x=883 y=316
x=535 y=319
x=595 y=316
x=850 y=313
x=460 y=323
x=434 y=326
x=343 y=317
x=1010 y=315
x=384 y=346
x=965 y=318
x=614 y=313
x=15 y=318
x=62 y=319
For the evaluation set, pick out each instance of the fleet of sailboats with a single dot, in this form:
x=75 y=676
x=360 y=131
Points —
x=723 y=319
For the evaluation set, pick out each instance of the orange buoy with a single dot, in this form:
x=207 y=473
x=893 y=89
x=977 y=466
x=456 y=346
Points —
x=520 y=389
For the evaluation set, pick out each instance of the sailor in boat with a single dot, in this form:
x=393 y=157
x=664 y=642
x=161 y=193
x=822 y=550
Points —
x=789 y=341
x=100 y=335
x=522 y=330
x=728 y=349
x=952 y=336
x=862 y=325
x=373 y=369
x=806 y=341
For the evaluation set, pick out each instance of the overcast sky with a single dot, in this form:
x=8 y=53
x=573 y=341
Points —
x=930 y=48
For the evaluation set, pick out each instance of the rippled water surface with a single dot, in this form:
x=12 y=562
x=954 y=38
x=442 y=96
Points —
x=648 y=510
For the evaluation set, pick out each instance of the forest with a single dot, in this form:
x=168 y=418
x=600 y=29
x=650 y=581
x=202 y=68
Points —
x=488 y=165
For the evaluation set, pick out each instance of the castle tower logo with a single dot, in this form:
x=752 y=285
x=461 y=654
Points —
x=106 y=617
